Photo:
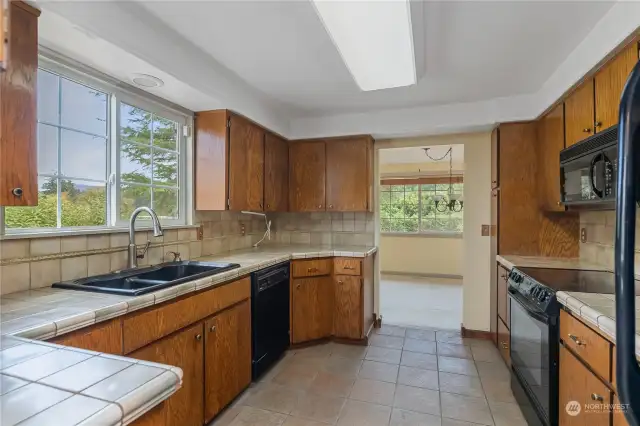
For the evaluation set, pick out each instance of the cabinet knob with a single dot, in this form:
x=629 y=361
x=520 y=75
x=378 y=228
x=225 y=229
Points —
x=298 y=286
x=213 y=328
x=330 y=206
x=268 y=206
x=597 y=397
x=598 y=124
x=17 y=192
x=558 y=202
x=312 y=270
x=319 y=206
x=577 y=340
x=504 y=345
x=198 y=337
x=340 y=282
x=587 y=130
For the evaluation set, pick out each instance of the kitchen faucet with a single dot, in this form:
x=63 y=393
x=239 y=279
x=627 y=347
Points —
x=157 y=232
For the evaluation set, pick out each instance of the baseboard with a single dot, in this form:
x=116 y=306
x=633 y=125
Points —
x=476 y=334
x=416 y=274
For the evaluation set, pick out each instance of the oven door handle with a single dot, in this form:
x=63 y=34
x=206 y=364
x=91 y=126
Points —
x=538 y=316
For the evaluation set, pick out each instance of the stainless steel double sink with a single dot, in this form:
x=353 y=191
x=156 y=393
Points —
x=133 y=282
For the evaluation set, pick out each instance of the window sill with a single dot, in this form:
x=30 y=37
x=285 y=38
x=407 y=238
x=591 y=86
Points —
x=84 y=231
x=431 y=234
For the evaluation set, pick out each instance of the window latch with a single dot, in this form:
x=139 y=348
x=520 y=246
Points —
x=112 y=179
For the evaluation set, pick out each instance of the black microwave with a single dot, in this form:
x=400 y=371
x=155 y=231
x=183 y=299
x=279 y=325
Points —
x=588 y=170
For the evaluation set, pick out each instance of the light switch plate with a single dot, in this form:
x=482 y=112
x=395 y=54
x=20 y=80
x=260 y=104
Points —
x=486 y=230
x=583 y=235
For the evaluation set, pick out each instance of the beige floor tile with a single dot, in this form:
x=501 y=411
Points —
x=497 y=390
x=420 y=400
x=383 y=341
x=329 y=384
x=311 y=362
x=507 y=414
x=422 y=346
x=356 y=413
x=460 y=384
x=226 y=417
x=454 y=351
x=449 y=337
x=373 y=391
x=390 y=356
x=274 y=397
x=318 y=407
x=277 y=368
x=466 y=408
x=295 y=377
x=379 y=371
x=457 y=366
x=297 y=421
x=391 y=330
x=410 y=418
x=479 y=342
x=418 y=360
x=486 y=354
x=418 y=377
x=343 y=366
x=250 y=416
x=415 y=333
x=323 y=349
x=349 y=351
x=493 y=370
x=452 y=422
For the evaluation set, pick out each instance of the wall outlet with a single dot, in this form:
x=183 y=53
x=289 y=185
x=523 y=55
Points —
x=200 y=232
x=583 y=235
x=486 y=230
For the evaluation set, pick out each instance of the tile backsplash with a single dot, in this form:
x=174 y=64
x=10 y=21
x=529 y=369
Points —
x=326 y=228
x=599 y=247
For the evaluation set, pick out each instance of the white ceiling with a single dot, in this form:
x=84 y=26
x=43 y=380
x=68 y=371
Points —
x=479 y=62
x=415 y=155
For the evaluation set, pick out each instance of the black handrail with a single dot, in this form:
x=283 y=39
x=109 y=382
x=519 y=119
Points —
x=627 y=370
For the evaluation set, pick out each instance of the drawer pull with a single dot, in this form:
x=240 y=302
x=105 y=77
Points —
x=340 y=282
x=213 y=328
x=597 y=397
x=577 y=340
x=312 y=270
x=198 y=337
x=349 y=268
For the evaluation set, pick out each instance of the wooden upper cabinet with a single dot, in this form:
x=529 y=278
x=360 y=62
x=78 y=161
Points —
x=609 y=82
x=276 y=174
x=227 y=357
x=550 y=143
x=18 y=109
x=307 y=175
x=4 y=13
x=211 y=160
x=579 y=113
x=246 y=165
x=349 y=175
x=184 y=350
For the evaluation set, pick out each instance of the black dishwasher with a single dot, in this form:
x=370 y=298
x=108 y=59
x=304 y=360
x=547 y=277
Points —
x=269 y=316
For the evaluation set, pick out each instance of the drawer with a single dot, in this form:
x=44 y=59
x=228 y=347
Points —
x=142 y=328
x=347 y=266
x=594 y=349
x=311 y=268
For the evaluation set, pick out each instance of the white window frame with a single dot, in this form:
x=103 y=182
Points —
x=118 y=92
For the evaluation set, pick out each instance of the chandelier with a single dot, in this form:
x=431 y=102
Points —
x=455 y=202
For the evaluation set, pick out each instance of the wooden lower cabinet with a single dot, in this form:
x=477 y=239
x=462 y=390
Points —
x=504 y=342
x=503 y=298
x=312 y=308
x=105 y=337
x=183 y=349
x=579 y=384
x=227 y=357
x=347 y=314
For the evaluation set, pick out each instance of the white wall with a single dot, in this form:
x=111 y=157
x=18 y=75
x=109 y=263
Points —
x=476 y=257
x=421 y=255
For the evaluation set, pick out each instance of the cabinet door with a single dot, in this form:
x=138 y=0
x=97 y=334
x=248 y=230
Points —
x=578 y=384
x=211 y=160
x=185 y=350
x=312 y=308
x=347 y=315
x=105 y=337
x=348 y=174
x=18 y=111
x=227 y=357
x=246 y=165
x=579 y=113
x=503 y=299
x=276 y=174
x=504 y=342
x=550 y=143
x=307 y=171
x=609 y=83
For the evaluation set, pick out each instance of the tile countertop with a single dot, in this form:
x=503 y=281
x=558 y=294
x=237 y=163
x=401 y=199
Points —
x=510 y=261
x=77 y=387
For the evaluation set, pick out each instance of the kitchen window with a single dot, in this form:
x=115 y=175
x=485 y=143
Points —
x=102 y=152
x=407 y=206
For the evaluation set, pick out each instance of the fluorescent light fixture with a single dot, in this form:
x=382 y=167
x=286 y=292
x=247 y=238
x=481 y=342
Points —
x=374 y=38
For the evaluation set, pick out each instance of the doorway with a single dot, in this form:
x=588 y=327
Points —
x=421 y=205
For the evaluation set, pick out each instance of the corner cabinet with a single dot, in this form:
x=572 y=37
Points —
x=18 y=109
x=307 y=176
x=276 y=173
x=312 y=306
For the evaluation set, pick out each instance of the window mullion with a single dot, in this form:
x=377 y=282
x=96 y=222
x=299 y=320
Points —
x=419 y=208
x=59 y=171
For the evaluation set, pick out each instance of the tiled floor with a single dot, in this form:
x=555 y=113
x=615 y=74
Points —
x=421 y=301
x=406 y=377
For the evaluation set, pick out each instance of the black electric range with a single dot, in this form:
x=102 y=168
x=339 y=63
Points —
x=534 y=328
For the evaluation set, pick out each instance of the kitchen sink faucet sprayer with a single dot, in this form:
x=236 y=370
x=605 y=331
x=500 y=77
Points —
x=267 y=233
x=157 y=232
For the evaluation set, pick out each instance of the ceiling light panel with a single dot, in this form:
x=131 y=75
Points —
x=374 y=38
